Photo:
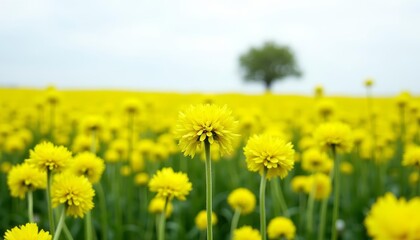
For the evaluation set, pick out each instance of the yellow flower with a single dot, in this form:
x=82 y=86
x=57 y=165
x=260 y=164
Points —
x=313 y=160
x=125 y=170
x=89 y=165
x=334 y=134
x=157 y=204
x=137 y=161
x=111 y=156
x=392 y=218
x=81 y=143
x=346 y=168
x=201 y=220
x=412 y=157
x=246 y=233
x=92 y=123
x=14 y=144
x=75 y=192
x=141 y=179
x=320 y=183
x=5 y=167
x=319 y=91
x=27 y=232
x=413 y=178
x=206 y=122
x=281 y=227
x=403 y=99
x=23 y=178
x=299 y=183
x=325 y=108
x=242 y=199
x=368 y=82
x=269 y=153
x=46 y=156
x=170 y=184
x=131 y=106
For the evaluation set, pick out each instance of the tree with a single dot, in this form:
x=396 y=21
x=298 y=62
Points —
x=269 y=63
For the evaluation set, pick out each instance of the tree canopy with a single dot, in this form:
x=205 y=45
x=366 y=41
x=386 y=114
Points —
x=269 y=63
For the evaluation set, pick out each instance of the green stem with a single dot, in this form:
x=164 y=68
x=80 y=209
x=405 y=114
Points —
x=88 y=226
x=30 y=206
x=280 y=196
x=162 y=222
x=66 y=231
x=310 y=213
x=321 y=232
x=118 y=213
x=262 y=205
x=103 y=209
x=93 y=143
x=336 y=193
x=301 y=209
x=60 y=224
x=50 y=212
x=235 y=221
x=416 y=187
x=209 y=194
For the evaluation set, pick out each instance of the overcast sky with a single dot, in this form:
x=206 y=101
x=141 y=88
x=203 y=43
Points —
x=194 y=45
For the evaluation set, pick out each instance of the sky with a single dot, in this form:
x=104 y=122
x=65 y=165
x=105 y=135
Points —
x=194 y=46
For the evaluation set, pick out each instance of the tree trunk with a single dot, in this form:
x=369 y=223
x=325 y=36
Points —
x=268 y=84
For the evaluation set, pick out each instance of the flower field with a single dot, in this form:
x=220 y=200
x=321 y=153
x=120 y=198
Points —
x=117 y=165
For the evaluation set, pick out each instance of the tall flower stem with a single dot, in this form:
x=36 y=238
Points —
x=49 y=206
x=310 y=213
x=88 y=226
x=301 y=210
x=279 y=195
x=60 y=224
x=235 y=221
x=118 y=211
x=209 y=194
x=323 y=219
x=30 y=207
x=336 y=192
x=103 y=209
x=162 y=222
x=262 y=206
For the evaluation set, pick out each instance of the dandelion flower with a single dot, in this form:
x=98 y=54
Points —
x=141 y=179
x=75 y=192
x=157 y=205
x=413 y=178
x=412 y=157
x=206 y=122
x=201 y=220
x=170 y=184
x=346 y=168
x=299 y=183
x=319 y=91
x=89 y=165
x=27 y=232
x=281 y=227
x=334 y=134
x=23 y=178
x=368 y=82
x=325 y=108
x=269 y=153
x=392 y=218
x=320 y=184
x=46 y=156
x=242 y=199
x=313 y=160
x=246 y=233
